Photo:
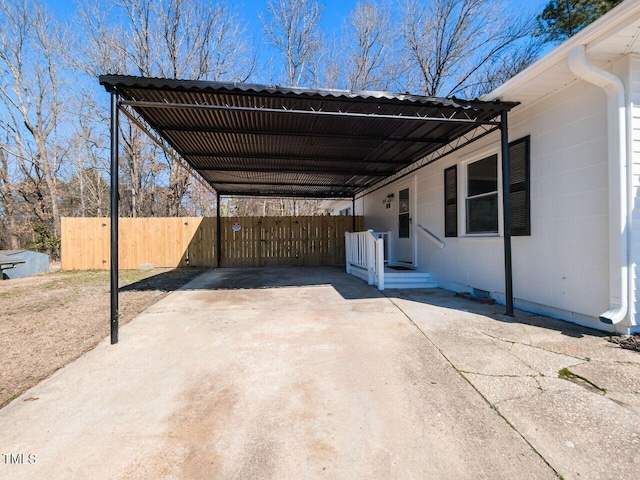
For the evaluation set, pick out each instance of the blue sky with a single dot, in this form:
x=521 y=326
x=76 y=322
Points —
x=335 y=11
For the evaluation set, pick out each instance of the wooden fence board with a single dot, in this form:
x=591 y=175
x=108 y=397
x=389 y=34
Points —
x=173 y=242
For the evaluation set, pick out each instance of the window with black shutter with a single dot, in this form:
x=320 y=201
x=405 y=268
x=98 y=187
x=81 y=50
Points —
x=451 y=202
x=481 y=179
x=482 y=196
x=519 y=186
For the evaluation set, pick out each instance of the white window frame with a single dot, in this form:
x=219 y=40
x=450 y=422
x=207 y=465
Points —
x=463 y=193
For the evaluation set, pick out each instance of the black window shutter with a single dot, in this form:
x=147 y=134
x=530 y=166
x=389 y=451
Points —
x=519 y=187
x=451 y=202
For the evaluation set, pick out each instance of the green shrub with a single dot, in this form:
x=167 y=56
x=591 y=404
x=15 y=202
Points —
x=45 y=240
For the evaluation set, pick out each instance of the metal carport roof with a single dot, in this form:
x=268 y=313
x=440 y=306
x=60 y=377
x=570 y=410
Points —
x=259 y=140
x=245 y=139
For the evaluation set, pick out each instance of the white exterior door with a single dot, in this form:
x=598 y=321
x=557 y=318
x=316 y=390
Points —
x=404 y=232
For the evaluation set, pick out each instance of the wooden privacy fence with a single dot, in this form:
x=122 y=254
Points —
x=190 y=241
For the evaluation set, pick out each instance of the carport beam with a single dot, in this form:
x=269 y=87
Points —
x=506 y=217
x=353 y=213
x=218 y=233
x=114 y=217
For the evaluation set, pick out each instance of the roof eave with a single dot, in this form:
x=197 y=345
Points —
x=622 y=15
x=112 y=83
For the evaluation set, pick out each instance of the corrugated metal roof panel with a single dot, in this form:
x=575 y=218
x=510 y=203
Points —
x=315 y=137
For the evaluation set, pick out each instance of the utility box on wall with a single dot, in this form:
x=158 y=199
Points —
x=22 y=263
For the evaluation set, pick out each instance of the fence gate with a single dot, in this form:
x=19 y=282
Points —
x=284 y=241
x=173 y=242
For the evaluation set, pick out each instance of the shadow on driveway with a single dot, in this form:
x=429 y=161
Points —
x=259 y=278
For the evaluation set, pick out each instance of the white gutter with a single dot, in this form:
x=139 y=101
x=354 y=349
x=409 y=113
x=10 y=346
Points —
x=619 y=178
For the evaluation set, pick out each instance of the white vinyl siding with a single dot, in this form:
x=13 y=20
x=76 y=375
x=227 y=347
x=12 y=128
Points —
x=633 y=88
x=562 y=268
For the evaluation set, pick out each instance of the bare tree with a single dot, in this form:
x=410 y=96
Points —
x=501 y=68
x=8 y=202
x=86 y=193
x=369 y=40
x=92 y=147
x=163 y=38
x=202 y=42
x=199 y=201
x=100 y=42
x=232 y=58
x=447 y=44
x=185 y=36
x=329 y=64
x=269 y=207
x=139 y=32
x=292 y=27
x=32 y=93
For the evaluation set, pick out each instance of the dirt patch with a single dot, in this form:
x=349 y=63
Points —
x=628 y=343
x=47 y=321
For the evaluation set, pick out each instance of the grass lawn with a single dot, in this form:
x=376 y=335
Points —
x=47 y=321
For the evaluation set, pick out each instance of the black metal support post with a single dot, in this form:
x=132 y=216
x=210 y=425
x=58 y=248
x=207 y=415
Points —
x=114 y=217
x=506 y=207
x=218 y=233
x=353 y=213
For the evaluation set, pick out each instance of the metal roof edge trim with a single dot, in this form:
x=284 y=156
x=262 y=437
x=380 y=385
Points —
x=112 y=83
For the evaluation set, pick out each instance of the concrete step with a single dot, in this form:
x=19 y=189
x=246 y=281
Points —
x=399 y=278
x=405 y=274
x=388 y=285
x=407 y=279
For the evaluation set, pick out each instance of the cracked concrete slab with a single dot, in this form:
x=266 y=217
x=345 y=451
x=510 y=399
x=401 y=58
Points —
x=500 y=362
x=580 y=431
x=542 y=361
x=497 y=389
x=620 y=380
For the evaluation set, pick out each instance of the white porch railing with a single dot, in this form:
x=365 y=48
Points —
x=431 y=236
x=365 y=256
x=388 y=250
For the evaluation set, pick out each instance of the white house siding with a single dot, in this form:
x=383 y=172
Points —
x=633 y=100
x=562 y=269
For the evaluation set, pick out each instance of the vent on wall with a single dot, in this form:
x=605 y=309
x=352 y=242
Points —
x=479 y=293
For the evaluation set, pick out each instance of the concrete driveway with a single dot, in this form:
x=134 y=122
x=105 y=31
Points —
x=295 y=373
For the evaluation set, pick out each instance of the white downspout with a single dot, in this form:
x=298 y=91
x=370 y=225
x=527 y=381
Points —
x=619 y=176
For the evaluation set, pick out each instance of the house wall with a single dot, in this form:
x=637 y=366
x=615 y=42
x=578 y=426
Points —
x=562 y=269
x=629 y=71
